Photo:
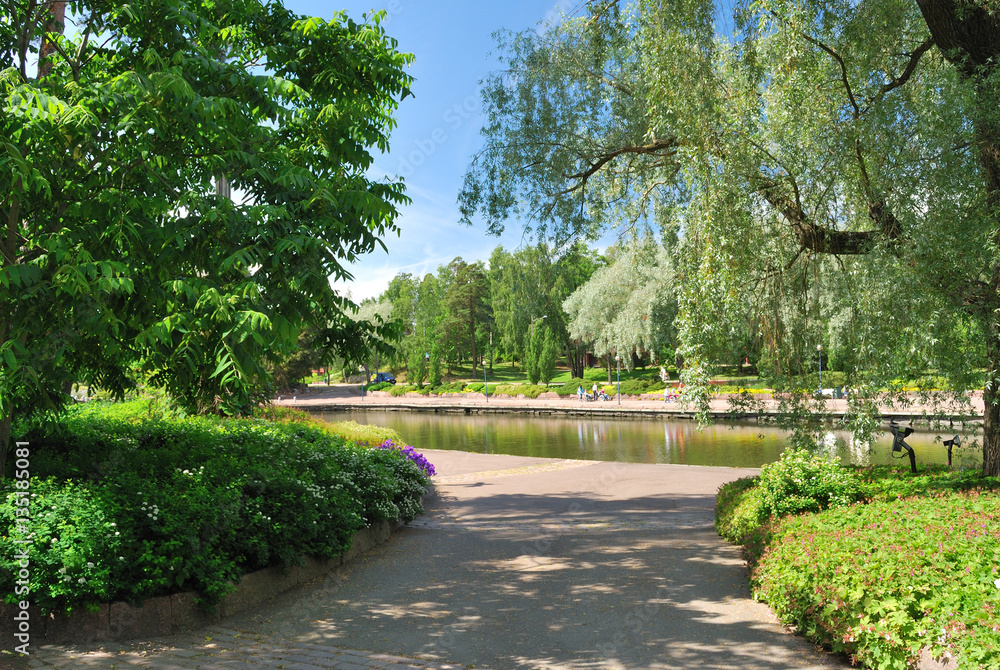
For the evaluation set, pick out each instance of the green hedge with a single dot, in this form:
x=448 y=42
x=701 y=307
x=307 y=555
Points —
x=127 y=507
x=917 y=567
x=570 y=387
x=514 y=390
x=453 y=387
x=640 y=386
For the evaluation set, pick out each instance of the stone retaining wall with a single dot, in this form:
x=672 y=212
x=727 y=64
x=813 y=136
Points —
x=176 y=613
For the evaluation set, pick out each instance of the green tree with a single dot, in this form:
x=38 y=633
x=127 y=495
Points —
x=382 y=347
x=533 y=354
x=402 y=295
x=548 y=357
x=466 y=307
x=121 y=254
x=434 y=373
x=532 y=283
x=628 y=305
x=844 y=148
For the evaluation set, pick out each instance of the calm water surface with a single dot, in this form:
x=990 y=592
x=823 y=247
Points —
x=629 y=440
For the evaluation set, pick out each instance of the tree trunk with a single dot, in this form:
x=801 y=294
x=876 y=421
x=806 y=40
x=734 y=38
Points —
x=574 y=358
x=472 y=332
x=968 y=36
x=991 y=428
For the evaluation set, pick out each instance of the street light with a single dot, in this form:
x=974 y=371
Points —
x=618 y=373
x=819 y=350
x=538 y=319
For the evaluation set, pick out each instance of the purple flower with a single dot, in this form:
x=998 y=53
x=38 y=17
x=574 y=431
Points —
x=411 y=454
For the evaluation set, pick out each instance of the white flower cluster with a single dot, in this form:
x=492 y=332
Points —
x=152 y=511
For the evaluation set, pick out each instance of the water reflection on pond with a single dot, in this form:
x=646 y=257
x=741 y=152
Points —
x=630 y=440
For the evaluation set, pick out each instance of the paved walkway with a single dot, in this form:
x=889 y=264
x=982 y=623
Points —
x=519 y=563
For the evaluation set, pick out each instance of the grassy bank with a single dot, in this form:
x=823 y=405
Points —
x=875 y=563
x=126 y=504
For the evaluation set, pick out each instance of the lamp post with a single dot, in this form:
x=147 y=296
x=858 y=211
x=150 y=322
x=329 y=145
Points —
x=819 y=351
x=538 y=319
x=618 y=374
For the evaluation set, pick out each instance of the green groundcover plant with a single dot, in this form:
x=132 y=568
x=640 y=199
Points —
x=889 y=580
x=911 y=567
x=126 y=506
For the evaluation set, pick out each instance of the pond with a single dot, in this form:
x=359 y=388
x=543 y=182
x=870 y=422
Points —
x=632 y=440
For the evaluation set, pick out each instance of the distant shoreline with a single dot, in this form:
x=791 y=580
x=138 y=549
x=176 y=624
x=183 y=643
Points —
x=347 y=397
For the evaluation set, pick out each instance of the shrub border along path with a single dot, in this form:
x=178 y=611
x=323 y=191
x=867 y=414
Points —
x=166 y=615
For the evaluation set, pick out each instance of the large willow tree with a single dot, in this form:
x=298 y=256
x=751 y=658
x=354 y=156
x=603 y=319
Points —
x=123 y=127
x=831 y=170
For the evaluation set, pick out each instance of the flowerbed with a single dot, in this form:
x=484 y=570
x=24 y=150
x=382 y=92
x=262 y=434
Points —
x=126 y=506
x=912 y=567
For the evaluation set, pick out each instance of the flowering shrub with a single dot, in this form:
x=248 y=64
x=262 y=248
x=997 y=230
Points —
x=126 y=507
x=426 y=466
x=804 y=482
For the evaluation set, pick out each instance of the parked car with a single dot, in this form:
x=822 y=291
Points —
x=379 y=377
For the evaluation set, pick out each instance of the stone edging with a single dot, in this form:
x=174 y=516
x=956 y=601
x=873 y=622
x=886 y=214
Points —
x=166 y=615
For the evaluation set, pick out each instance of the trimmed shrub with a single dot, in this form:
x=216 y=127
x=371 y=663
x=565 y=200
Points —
x=570 y=387
x=453 y=387
x=883 y=581
x=640 y=386
x=514 y=390
x=399 y=390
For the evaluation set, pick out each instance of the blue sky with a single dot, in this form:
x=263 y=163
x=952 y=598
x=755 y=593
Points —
x=438 y=128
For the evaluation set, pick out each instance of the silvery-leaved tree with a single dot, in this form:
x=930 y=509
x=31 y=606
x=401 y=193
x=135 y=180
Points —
x=629 y=306
x=831 y=168
x=119 y=260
